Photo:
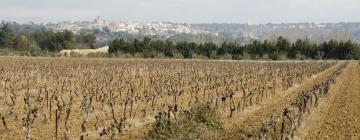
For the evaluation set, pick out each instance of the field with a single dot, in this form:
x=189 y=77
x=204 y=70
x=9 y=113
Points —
x=48 y=98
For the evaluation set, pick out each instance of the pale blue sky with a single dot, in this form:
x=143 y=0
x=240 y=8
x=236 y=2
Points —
x=190 y=11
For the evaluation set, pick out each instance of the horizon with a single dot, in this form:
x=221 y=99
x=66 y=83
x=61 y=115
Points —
x=200 y=11
x=138 y=21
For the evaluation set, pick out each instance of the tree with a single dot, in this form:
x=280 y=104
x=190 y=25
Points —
x=147 y=42
x=148 y=51
x=295 y=48
x=7 y=37
x=168 y=50
x=138 y=47
x=119 y=45
x=58 y=41
x=186 y=49
x=69 y=39
x=282 y=44
x=209 y=49
x=301 y=49
x=88 y=40
x=22 y=43
x=91 y=39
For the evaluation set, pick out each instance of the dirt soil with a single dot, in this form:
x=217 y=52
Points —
x=250 y=121
x=338 y=116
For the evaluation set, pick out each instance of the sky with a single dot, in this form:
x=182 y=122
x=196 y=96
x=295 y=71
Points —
x=183 y=11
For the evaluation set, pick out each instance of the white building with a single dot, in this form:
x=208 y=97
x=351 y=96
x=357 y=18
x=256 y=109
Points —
x=100 y=22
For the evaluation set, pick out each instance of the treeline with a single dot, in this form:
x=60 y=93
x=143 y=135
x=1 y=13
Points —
x=279 y=49
x=24 y=28
x=42 y=41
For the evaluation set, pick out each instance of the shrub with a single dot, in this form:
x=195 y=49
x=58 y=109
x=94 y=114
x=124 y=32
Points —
x=75 y=54
x=274 y=56
x=96 y=55
x=191 y=124
x=226 y=56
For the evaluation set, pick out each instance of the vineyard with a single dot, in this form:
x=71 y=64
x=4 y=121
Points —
x=146 y=99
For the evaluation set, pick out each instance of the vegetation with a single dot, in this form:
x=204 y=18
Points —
x=192 y=124
x=44 y=42
x=285 y=126
x=110 y=99
x=41 y=42
x=280 y=49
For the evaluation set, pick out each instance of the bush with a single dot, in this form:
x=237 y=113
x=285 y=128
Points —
x=245 y=56
x=75 y=54
x=274 y=56
x=204 y=115
x=96 y=55
x=226 y=57
x=196 y=56
x=190 y=125
x=178 y=56
x=300 y=57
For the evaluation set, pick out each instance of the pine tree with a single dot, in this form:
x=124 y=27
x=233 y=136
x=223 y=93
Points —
x=7 y=37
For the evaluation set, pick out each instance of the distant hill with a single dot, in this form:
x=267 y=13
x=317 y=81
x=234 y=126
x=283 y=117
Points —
x=200 y=33
x=293 y=31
